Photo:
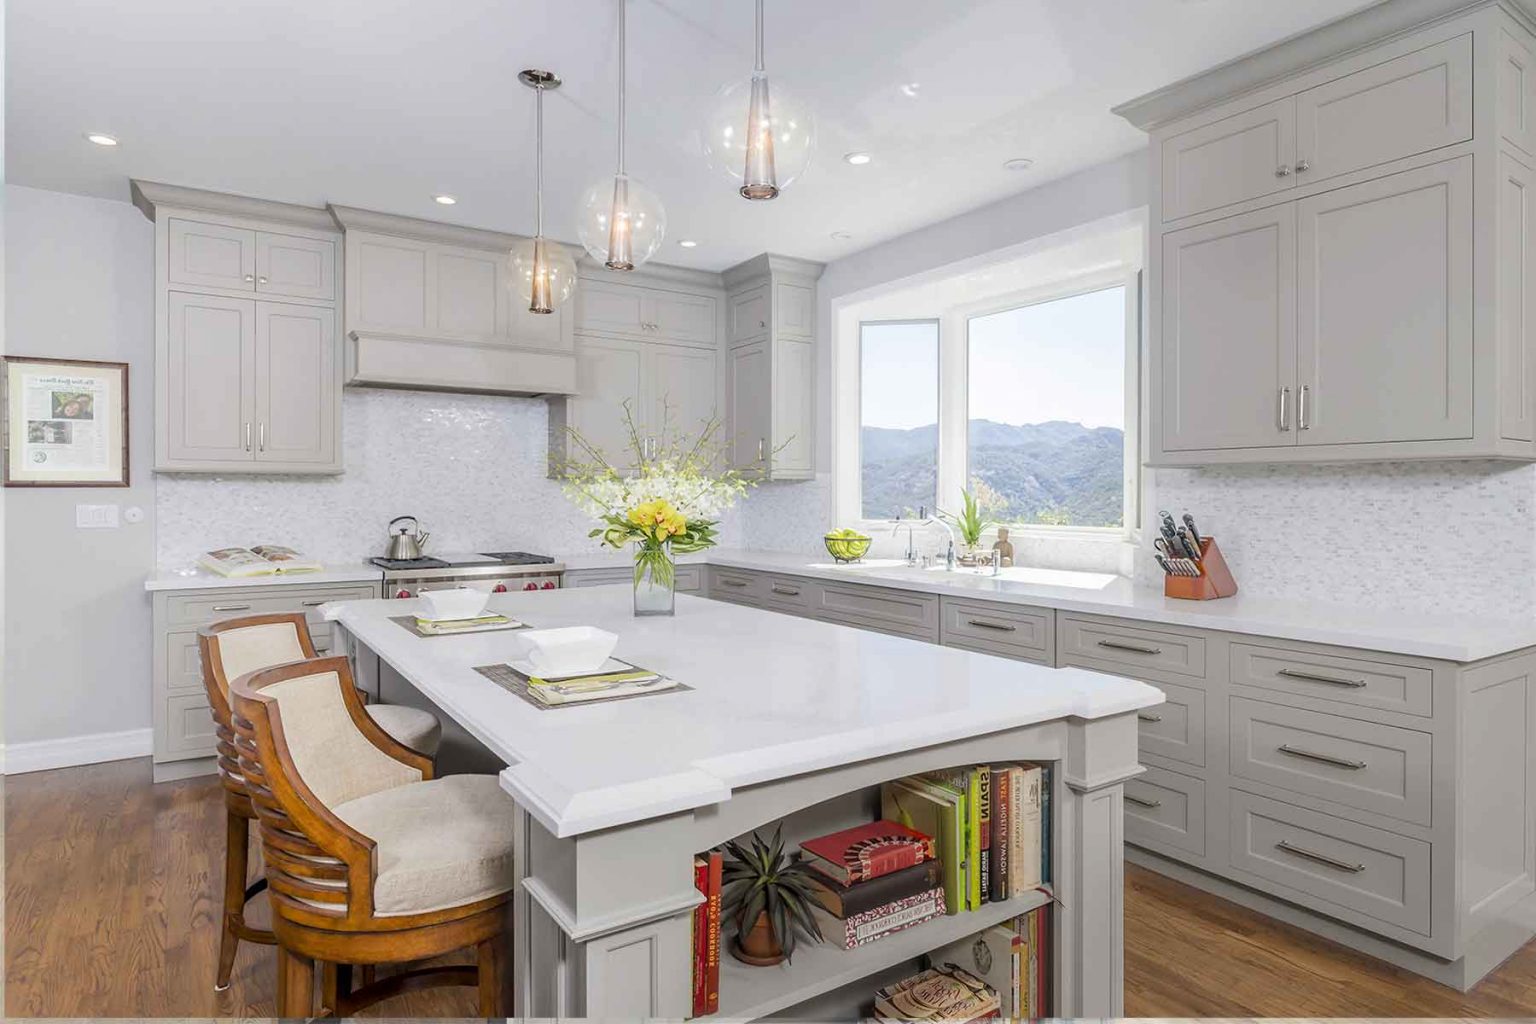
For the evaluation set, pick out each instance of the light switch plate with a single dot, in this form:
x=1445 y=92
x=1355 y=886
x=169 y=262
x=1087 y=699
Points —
x=96 y=517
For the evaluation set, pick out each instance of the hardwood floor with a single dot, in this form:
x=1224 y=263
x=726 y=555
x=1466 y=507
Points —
x=112 y=903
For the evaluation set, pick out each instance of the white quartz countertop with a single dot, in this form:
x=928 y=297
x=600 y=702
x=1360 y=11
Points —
x=1446 y=636
x=773 y=696
x=201 y=579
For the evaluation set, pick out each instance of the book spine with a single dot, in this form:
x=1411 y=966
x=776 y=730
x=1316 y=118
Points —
x=700 y=935
x=973 y=840
x=984 y=801
x=1015 y=1006
x=1035 y=980
x=893 y=917
x=1001 y=836
x=1029 y=825
x=1045 y=824
x=867 y=896
x=712 y=960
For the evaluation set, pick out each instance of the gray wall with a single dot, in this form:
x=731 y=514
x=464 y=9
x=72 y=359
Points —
x=79 y=282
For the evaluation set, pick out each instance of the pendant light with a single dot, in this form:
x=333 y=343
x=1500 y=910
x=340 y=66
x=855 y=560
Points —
x=775 y=147
x=621 y=223
x=542 y=271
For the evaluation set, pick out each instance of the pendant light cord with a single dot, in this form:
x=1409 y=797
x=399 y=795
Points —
x=759 y=65
x=539 y=162
x=623 y=83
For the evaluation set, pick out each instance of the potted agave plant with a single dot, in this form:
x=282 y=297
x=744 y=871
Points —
x=667 y=501
x=972 y=521
x=768 y=895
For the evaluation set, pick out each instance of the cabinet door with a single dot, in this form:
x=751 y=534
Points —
x=467 y=295
x=796 y=312
x=304 y=268
x=210 y=379
x=680 y=386
x=1227 y=351
x=1385 y=321
x=1516 y=296
x=1413 y=104
x=794 y=405
x=1241 y=157
x=211 y=255
x=751 y=426
x=609 y=372
x=610 y=308
x=676 y=316
x=749 y=314
x=387 y=283
x=296 y=384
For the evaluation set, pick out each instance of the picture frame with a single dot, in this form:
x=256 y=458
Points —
x=65 y=422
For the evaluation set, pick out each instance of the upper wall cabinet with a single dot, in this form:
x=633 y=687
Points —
x=1339 y=263
x=428 y=306
x=247 y=358
x=638 y=311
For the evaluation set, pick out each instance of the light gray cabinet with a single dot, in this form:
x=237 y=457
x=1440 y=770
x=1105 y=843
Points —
x=295 y=384
x=1339 y=266
x=207 y=255
x=638 y=311
x=670 y=389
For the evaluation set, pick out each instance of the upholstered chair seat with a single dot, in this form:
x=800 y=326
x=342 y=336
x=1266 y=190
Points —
x=413 y=727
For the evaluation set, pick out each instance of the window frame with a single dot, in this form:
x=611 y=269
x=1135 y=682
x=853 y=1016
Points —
x=858 y=405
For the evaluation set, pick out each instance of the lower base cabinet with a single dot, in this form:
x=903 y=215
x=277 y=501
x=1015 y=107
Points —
x=1165 y=811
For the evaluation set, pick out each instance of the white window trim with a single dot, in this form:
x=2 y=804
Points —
x=954 y=349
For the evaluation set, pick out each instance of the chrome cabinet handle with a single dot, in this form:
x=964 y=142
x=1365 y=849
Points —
x=1302 y=166
x=1302 y=422
x=1312 y=755
x=1001 y=627
x=761 y=444
x=1285 y=409
x=1283 y=171
x=762 y=323
x=316 y=603
x=1321 y=858
x=1142 y=801
x=786 y=591
x=247 y=436
x=261 y=280
x=1117 y=645
x=230 y=607
x=250 y=277
x=261 y=434
x=1312 y=677
x=734 y=583
x=1144 y=717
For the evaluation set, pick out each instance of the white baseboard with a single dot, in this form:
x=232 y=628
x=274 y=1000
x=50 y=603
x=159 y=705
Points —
x=41 y=755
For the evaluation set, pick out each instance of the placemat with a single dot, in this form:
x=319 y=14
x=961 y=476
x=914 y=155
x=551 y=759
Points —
x=515 y=682
x=409 y=623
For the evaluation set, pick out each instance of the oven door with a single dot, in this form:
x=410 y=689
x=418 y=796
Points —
x=490 y=584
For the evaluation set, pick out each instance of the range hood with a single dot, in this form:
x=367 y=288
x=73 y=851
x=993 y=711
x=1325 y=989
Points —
x=426 y=308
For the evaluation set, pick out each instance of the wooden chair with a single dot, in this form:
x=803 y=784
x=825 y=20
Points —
x=369 y=859
x=232 y=648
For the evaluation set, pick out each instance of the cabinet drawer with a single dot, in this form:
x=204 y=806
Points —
x=749 y=314
x=1009 y=630
x=894 y=611
x=1373 y=767
x=188 y=725
x=690 y=578
x=787 y=593
x=1372 y=684
x=733 y=585
x=1413 y=104
x=183 y=662
x=1291 y=851
x=214 y=606
x=1176 y=728
x=1115 y=646
x=1165 y=809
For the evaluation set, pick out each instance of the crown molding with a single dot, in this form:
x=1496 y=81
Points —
x=771 y=263
x=350 y=218
x=148 y=196
x=1300 y=53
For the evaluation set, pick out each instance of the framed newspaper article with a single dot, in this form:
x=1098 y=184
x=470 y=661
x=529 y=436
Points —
x=66 y=423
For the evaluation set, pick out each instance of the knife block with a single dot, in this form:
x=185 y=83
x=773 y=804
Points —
x=1215 y=579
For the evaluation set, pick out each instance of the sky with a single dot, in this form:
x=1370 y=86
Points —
x=1058 y=360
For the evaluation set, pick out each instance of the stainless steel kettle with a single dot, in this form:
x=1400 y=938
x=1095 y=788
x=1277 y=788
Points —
x=405 y=542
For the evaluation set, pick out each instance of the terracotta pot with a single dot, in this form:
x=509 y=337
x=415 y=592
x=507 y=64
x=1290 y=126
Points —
x=758 y=946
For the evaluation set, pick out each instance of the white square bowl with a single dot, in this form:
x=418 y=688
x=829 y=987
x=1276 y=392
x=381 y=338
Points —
x=454 y=603
x=568 y=650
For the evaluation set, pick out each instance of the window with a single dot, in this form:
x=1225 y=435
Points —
x=1045 y=434
x=898 y=417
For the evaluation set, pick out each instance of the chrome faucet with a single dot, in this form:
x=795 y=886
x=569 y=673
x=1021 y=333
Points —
x=901 y=521
x=997 y=562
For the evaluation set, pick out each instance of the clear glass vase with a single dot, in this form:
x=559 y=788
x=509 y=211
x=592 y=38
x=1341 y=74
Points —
x=655 y=580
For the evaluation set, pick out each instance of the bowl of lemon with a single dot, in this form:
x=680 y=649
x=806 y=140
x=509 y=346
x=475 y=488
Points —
x=846 y=545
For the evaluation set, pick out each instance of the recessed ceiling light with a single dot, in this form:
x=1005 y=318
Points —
x=687 y=243
x=857 y=159
x=841 y=236
x=910 y=88
x=444 y=200
x=100 y=139
x=1018 y=163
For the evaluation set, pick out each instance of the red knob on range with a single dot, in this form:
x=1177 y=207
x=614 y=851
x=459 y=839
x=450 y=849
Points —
x=548 y=585
x=500 y=588
x=530 y=586
x=404 y=593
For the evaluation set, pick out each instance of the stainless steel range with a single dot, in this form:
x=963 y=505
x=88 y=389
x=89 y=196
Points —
x=495 y=571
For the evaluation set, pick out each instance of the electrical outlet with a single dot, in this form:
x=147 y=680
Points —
x=96 y=517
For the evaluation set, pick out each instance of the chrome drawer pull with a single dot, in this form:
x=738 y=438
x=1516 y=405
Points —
x=1312 y=755
x=734 y=583
x=1117 y=645
x=1142 y=801
x=786 y=591
x=316 y=603
x=1312 y=677
x=1321 y=858
x=230 y=607
x=984 y=624
x=1144 y=717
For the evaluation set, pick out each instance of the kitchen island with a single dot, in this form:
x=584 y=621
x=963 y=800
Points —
x=784 y=720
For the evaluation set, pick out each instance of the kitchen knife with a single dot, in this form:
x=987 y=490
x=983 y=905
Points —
x=1168 y=569
x=1187 y=545
x=1189 y=521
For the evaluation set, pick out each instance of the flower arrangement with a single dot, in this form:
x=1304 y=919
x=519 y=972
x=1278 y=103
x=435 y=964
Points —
x=668 y=501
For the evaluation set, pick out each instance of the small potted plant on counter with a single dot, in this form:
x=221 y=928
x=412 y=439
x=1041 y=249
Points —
x=972 y=521
x=768 y=894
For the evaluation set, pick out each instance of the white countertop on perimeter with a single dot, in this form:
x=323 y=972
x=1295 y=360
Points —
x=772 y=696
x=1446 y=636
x=201 y=579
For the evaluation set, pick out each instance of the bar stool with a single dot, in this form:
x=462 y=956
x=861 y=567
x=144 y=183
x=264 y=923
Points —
x=232 y=648
x=369 y=859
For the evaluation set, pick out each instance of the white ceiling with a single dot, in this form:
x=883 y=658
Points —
x=384 y=103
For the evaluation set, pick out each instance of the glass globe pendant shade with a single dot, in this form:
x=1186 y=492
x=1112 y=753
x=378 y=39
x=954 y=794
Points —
x=621 y=223
x=542 y=273
x=760 y=135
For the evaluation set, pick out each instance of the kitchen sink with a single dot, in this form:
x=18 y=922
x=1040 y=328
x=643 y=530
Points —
x=1040 y=577
x=867 y=563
